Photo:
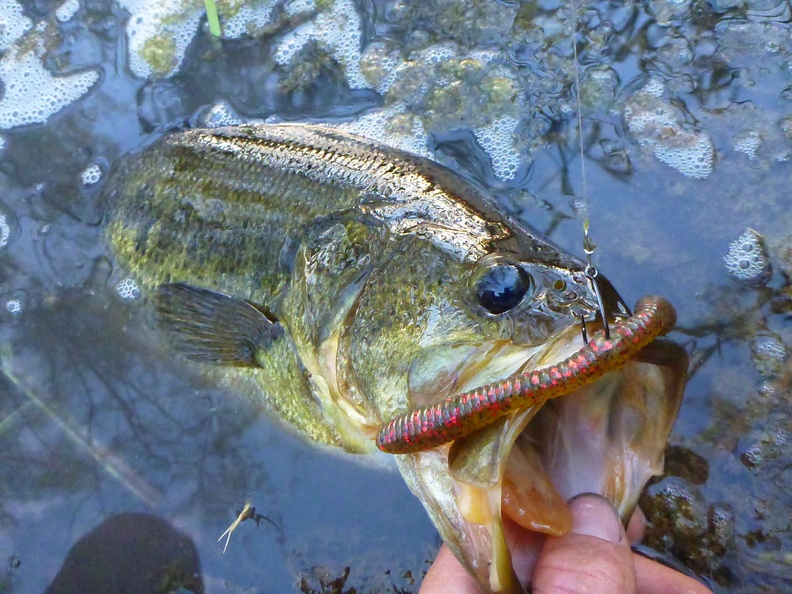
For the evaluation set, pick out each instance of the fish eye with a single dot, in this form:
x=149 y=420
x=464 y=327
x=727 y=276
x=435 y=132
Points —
x=501 y=286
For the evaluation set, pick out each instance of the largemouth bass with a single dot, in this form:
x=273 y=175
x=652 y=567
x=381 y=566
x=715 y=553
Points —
x=372 y=300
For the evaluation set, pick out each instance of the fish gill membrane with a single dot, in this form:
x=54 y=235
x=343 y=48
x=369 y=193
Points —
x=340 y=284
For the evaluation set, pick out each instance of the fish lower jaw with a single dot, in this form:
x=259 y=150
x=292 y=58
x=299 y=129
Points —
x=487 y=507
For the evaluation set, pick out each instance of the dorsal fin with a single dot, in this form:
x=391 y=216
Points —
x=212 y=327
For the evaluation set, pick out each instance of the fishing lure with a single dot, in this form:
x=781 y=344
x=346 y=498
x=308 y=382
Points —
x=430 y=426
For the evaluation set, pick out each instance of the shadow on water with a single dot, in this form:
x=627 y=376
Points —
x=686 y=136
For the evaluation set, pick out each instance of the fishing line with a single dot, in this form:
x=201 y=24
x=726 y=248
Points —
x=588 y=245
x=583 y=207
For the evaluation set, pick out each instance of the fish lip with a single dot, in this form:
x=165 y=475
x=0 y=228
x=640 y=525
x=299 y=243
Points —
x=566 y=341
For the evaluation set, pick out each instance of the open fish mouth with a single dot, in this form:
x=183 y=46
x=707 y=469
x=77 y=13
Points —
x=515 y=448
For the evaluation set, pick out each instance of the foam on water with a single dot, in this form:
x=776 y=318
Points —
x=5 y=230
x=128 y=289
x=67 y=10
x=748 y=142
x=91 y=175
x=654 y=123
x=158 y=34
x=13 y=23
x=497 y=140
x=747 y=259
x=337 y=30
x=14 y=306
x=248 y=18
x=392 y=126
x=297 y=6
x=32 y=94
x=221 y=114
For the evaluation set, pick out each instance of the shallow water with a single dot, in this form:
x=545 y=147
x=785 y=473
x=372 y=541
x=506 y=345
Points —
x=687 y=124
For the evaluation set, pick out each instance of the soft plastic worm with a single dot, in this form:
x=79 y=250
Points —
x=457 y=416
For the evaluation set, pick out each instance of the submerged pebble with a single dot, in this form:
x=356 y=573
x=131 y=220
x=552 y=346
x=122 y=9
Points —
x=680 y=521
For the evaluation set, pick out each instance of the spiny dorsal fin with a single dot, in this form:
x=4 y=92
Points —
x=212 y=327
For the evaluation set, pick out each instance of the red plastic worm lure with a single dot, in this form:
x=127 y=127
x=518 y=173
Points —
x=430 y=426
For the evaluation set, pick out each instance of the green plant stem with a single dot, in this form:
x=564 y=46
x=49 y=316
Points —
x=213 y=18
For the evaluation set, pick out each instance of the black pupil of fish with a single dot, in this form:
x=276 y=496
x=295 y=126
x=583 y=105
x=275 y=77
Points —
x=502 y=287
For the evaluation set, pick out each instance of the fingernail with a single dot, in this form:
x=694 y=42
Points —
x=594 y=516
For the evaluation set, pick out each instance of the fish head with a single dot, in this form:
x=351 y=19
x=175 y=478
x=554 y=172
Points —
x=428 y=327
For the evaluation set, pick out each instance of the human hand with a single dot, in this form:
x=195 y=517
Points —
x=594 y=557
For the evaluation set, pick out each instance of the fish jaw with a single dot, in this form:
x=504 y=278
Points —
x=607 y=437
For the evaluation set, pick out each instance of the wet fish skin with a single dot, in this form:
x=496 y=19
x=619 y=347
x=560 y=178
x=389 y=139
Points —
x=333 y=281
x=341 y=239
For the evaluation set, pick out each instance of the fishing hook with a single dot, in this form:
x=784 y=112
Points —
x=592 y=273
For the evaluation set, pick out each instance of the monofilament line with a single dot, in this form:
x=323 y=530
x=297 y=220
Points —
x=588 y=246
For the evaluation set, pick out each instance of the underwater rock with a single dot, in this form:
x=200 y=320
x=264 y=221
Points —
x=681 y=522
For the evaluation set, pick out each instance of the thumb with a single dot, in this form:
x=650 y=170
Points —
x=594 y=557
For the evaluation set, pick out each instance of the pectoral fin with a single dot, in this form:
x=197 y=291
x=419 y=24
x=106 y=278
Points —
x=212 y=327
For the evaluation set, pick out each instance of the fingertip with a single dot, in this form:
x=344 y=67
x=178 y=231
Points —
x=447 y=576
x=593 y=515
x=594 y=557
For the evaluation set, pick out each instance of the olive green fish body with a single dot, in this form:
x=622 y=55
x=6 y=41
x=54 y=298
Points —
x=341 y=284
x=362 y=254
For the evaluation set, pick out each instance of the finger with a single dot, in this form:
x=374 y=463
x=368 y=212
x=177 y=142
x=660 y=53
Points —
x=525 y=546
x=636 y=527
x=653 y=578
x=447 y=576
x=594 y=557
